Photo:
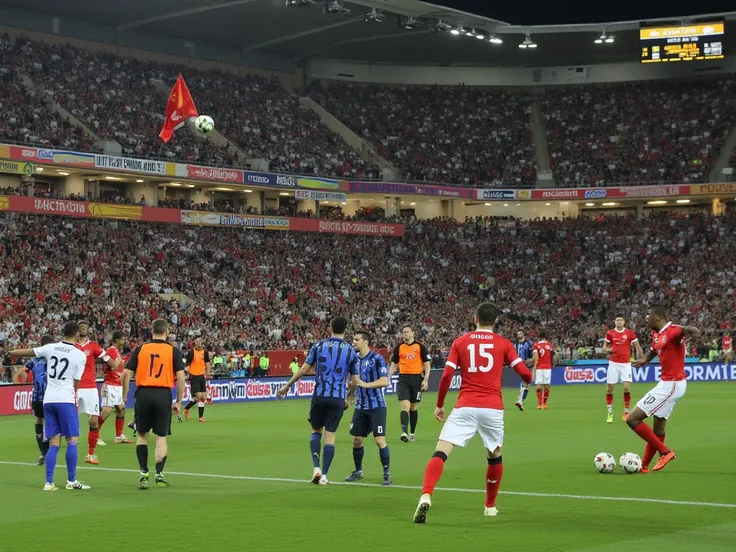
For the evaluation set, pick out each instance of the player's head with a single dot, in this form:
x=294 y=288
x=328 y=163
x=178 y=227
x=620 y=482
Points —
x=620 y=322
x=657 y=317
x=362 y=341
x=486 y=315
x=542 y=335
x=407 y=332
x=160 y=329
x=339 y=325
x=83 y=328
x=198 y=342
x=520 y=335
x=46 y=339
x=71 y=331
x=118 y=338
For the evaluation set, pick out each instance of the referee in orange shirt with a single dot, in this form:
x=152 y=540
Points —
x=198 y=365
x=412 y=359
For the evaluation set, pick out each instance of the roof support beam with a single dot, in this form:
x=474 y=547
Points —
x=301 y=34
x=181 y=13
x=366 y=39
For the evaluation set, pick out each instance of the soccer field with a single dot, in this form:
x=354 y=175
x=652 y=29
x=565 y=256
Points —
x=240 y=481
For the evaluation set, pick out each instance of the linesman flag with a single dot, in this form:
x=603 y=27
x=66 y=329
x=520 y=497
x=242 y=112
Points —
x=178 y=109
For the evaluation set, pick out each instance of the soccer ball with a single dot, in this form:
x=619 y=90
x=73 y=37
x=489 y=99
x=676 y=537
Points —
x=630 y=462
x=204 y=124
x=604 y=462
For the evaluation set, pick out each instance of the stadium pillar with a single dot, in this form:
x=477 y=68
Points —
x=718 y=207
x=639 y=210
x=262 y=206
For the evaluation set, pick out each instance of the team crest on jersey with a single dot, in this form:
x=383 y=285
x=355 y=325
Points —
x=87 y=352
x=411 y=356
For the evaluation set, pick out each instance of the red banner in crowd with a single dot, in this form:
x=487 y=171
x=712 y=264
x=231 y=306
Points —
x=15 y=399
x=562 y=194
x=233 y=176
x=87 y=209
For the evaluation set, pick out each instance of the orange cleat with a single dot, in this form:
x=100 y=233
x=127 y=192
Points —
x=664 y=459
x=624 y=417
x=92 y=459
x=540 y=407
x=202 y=420
x=545 y=406
x=186 y=414
x=644 y=469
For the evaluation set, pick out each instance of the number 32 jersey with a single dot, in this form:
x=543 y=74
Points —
x=480 y=356
x=64 y=364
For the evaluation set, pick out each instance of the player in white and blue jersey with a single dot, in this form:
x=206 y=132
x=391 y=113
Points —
x=37 y=366
x=370 y=407
x=64 y=369
x=334 y=361
x=524 y=348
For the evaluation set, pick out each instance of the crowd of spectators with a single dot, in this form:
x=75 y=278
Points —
x=249 y=289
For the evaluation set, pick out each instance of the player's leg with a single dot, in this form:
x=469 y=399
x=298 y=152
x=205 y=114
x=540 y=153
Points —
x=404 y=393
x=523 y=392
x=41 y=440
x=540 y=392
x=546 y=389
x=359 y=431
x=145 y=414
x=201 y=398
x=89 y=404
x=627 y=397
x=317 y=420
x=647 y=406
x=104 y=415
x=161 y=428
x=659 y=427
x=379 y=433
x=192 y=395
x=70 y=430
x=333 y=416
x=612 y=377
x=120 y=422
x=53 y=434
x=414 y=417
x=491 y=430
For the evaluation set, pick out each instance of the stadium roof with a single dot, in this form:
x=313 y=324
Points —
x=269 y=27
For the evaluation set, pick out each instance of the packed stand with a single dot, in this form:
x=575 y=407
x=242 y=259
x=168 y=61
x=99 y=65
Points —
x=468 y=136
x=248 y=289
x=668 y=131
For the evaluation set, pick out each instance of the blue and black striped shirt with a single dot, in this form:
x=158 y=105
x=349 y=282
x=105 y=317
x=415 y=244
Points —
x=372 y=368
x=333 y=360
x=524 y=349
x=38 y=367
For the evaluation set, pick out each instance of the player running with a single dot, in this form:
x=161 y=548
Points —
x=370 y=407
x=542 y=358
x=524 y=348
x=480 y=355
x=65 y=368
x=88 y=399
x=411 y=358
x=727 y=346
x=198 y=365
x=334 y=360
x=617 y=345
x=37 y=366
x=668 y=341
x=112 y=390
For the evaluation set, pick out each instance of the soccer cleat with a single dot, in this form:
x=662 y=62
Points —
x=626 y=415
x=143 y=481
x=186 y=414
x=425 y=503
x=101 y=443
x=316 y=476
x=91 y=459
x=355 y=476
x=490 y=511
x=323 y=480
x=202 y=420
x=644 y=469
x=412 y=438
x=404 y=438
x=76 y=486
x=161 y=480
x=519 y=405
x=42 y=460
x=179 y=419
x=50 y=487
x=545 y=406
x=133 y=428
x=664 y=459
x=386 y=480
x=539 y=407
x=122 y=439
x=609 y=419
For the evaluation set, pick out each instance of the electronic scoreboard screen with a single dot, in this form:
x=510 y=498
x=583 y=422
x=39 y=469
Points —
x=687 y=43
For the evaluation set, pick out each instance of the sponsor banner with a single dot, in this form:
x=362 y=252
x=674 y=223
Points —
x=64 y=207
x=4 y=151
x=713 y=189
x=16 y=167
x=233 y=176
x=201 y=218
x=319 y=196
x=51 y=157
x=364 y=228
x=566 y=194
x=128 y=164
x=410 y=189
x=649 y=373
x=598 y=193
x=260 y=179
x=312 y=183
x=489 y=195
x=649 y=191
x=555 y=193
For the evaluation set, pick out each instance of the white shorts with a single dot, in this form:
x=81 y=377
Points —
x=543 y=376
x=661 y=400
x=619 y=372
x=463 y=423
x=88 y=401
x=112 y=395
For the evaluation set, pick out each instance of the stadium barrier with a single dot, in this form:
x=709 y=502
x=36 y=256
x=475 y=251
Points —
x=16 y=399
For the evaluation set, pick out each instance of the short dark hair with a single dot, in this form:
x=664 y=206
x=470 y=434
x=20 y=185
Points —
x=658 y=310
x=542 y=334
x=365 y=334
x=620 y=316
x=407 y=326
x=117 y=335
x=487 y=313
x=71 y=329
x=82 y=322
x=339 y=324
x=46 y=339
x=159 y=326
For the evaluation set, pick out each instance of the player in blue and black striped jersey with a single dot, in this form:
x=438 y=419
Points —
x=524 y=350
x=335 y=361
x=370 y=407
x=38 y=367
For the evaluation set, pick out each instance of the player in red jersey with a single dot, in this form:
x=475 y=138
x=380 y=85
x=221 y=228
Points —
x=617 y=345
x=668 y=341
x=88 y=400
x=480 y=355
x=727 y=347
x=543 y=352
x=112 y=390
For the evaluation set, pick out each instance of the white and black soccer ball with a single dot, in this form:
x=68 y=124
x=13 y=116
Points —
x=604 y=462
x=204 y=124
x=630 y=462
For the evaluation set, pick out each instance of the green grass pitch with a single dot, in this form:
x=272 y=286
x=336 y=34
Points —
x=239 y=482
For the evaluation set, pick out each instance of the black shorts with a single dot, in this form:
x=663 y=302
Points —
x=197 y=384
x=365 y=422
x=326 y=413
x=153 y=410
x=409 y=387
x=37 y=407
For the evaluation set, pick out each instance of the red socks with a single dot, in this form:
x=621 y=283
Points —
x=92 y=437
x=609 y=399
x=494 y=473
x=627 y=400
x=119 y=425
x=539 y=396
x=647 y=433
x=100 y=421
x=649 y=453
x=433 y=472
x=546 y=394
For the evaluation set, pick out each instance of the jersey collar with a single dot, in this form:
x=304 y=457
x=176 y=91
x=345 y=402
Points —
x=83 y=344
x=619 y=331
x=667 y=325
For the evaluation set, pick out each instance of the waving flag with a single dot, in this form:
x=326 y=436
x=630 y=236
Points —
x=178 y=109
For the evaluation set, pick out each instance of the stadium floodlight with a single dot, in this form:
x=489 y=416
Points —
x=301 y=3
x=610 y=40
x=456 y=31
x=441 y=27
x=412 y=23
x=374 y=15
x=335 y=7
x=470 y=32
x=480 y=35
x=604 y=38
x=495 y=39
x=527 y=43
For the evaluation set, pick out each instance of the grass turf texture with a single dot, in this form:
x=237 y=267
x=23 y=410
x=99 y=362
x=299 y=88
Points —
x=548 y=452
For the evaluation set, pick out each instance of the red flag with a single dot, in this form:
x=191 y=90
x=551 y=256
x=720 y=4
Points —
x=178 y=109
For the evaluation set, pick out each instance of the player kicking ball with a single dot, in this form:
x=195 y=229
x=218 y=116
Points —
x=668 y=341
x=617 y=345
x=480 y=355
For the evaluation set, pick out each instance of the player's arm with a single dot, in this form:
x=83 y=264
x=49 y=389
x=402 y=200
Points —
x=180 y=380
x=207 y=365
x=130 y=369
x=691 y=332
x=427 y=367
x=22 y=353
x=188 y=361
x=606 y=348
x=446 y=380
x=394 y=361
x=382 y=380
x=113 y=363
x=638 y=349
x=645 y=360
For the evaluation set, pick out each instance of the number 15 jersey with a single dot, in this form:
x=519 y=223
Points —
x=480 y=356
x=64 y=364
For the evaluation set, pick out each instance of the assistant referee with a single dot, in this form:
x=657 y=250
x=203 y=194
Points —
x=157 y=366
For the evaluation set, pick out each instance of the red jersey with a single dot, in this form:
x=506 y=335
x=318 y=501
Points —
x=620 y=344
x=727 y=343
x=112 y=377
x=544 y=353
x=94 y=351
x=481 y=356
x=669 y=344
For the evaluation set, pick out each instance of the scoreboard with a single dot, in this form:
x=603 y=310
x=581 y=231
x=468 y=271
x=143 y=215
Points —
x=687 y=43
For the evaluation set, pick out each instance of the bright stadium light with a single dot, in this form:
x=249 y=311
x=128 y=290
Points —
x=495 y=39
x=528 y=43
x=456 y=31
x=480 y=36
